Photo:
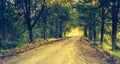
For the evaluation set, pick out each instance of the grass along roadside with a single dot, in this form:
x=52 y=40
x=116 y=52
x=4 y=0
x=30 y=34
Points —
x=115 y=54
x=26 y=47
x=107 y=49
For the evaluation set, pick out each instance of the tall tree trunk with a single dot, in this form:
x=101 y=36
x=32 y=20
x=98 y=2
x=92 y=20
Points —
x=44 y=30
x=85 y=31
x=94 y=30
x=27 y=17
x=44 y=17
x=3 y=20
x=30 y=34
x=90 y=33
x=56 y=30
x=61 y=28
x=102 y=26
x=114 y=23
x=91 y=26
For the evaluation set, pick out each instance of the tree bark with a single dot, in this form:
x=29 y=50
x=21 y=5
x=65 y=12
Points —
x=94 y=30
x=102 y=26
x=30 y=34
x=114 y=23
x=56 y=30
x=3 y=21
x=27 y=18
x=61 y=28
x=44 y=30
x=90 y=33
x=44 y=17
x=85 y=31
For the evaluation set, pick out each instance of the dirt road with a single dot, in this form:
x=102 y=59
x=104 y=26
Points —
x=61 y=52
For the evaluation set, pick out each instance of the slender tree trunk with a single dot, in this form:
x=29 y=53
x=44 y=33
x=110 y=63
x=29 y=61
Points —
x=94 y=31
x=94 y=26
x=44 y=19
x=56 y=31
x=91 y=26
x=102 y=26
x=35 y=19
x=85 y=31
x=30 y=34
x=27 y=17
x=3 y=20
x=44 y=30
x=114 y=24
x=61 y=28
x=90 y=33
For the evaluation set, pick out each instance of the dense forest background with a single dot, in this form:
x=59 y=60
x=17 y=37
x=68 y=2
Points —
x=23 y=21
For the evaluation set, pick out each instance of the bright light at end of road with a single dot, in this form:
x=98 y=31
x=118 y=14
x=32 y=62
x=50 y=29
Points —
x=75 y=32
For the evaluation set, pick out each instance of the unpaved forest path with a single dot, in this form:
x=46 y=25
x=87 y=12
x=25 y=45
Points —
x=61 y=52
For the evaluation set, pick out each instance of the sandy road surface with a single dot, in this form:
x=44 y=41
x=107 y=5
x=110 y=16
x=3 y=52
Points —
x=61 y=52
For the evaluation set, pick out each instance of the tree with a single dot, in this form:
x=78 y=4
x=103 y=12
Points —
x=115 y=11
x=44 y=17
x=103 y=4
x=94 y=27
x=27 y=14
x=6 y=20
x=62 y=14
x=103 y=20
x=2 y=19
x=27 y=11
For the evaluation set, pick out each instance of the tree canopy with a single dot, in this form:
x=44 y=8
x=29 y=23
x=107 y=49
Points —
x=28 y=20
